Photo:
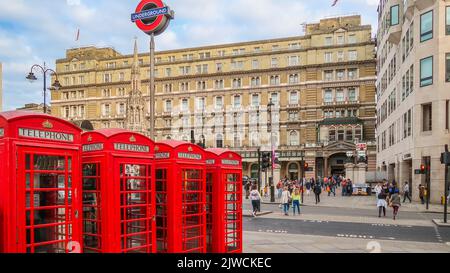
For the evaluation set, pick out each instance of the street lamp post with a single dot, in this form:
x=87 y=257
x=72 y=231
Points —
x=269 y=127
x=44 y=70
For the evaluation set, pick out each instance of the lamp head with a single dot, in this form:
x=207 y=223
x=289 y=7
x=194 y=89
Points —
x=31 y=77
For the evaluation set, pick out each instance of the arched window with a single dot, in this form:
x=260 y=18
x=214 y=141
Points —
x=341 y=133
x=219 y=141
x=332 y=134
x=358 y=132
x=293 y=138
x=349 y=134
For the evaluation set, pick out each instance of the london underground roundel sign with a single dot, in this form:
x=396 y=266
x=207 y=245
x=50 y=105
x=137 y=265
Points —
x=152 y=16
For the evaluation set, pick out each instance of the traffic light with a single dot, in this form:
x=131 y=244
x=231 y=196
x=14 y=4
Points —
x=422 y=168
x=265 y=161
x=306 y=166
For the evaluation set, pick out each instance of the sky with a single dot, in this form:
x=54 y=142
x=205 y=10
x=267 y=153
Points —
x=34 y=34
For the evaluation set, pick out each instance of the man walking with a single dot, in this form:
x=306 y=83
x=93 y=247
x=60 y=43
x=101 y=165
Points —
x=317 y=191
x=406 y=193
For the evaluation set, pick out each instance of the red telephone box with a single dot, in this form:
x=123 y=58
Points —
x=118 y=192
x=40 y=194
x=224 y=200
x=180 y=197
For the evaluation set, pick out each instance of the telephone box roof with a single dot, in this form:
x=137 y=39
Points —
x=112 y=132
x=10 y=116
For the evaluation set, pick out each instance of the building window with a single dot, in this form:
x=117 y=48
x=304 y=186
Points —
x=184 y=105
x=293 y=79
x=349 y=134
x=219 y=102
x=447 y=67
x=352 y=73
x=340 y=40
x=293 y=138
x=237 y=83
x=340 y=75
x=358 y=133
x=274 y=80
x=352 y=94
x=352 y=55
x=255 y=81
x=219 y=67
x=274 y=97
x=168 y=107
x=255 y=100
x=332 y=134
x=341 y=134
x=395 y=18
x=426 y=71
x=427 y=116
x=328 y=97
x=352 y=39
x=447 y=20
x=107 y=78
x=328 y=57
x=293 y=97
x=340 y=95
x=329 y=75
x=328 y=41
x=274 y=62
x=293 y=60
x=237 y=101
x=219 y=84
x=219 y=141
x=426 y=26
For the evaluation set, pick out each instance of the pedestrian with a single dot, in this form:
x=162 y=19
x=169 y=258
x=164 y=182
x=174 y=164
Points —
x=344 y=187
x=255 y=197
x=308 y=188
x=296 y=197
x=266 y=191
x=349 y=188
x=247 y=189
x=406 y=193
x=317 y=191
x=381 y=203
x=395 y=202
x=286 y=200
x=279 y=189
x=422 y=193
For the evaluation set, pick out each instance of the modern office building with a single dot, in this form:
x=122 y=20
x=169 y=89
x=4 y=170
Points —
x=413 y=97
x=322 y=86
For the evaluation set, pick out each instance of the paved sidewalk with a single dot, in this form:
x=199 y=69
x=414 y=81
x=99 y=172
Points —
x=263 y=242
x=360 y=202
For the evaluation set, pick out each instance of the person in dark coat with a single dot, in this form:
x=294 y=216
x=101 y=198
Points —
x=317 y=191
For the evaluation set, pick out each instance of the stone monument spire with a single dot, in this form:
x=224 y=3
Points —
x=135 y=103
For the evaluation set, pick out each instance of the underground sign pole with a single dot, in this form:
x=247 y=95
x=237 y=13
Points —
x=153 y=18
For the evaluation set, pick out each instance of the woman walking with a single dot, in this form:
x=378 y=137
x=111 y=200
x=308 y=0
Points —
x=381 y=203
x=255 y=197
x=395 y=202
x=286 y=200
x=296 y=201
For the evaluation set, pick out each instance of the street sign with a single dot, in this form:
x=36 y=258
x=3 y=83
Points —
x=148 y=14
x=152 y=16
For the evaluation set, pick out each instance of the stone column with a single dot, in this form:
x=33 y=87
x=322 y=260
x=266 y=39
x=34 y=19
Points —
x=350 y=171
x=360 y=173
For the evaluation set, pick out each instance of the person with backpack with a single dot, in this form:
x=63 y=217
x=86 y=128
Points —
x=317 y=191
x=395 y=201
